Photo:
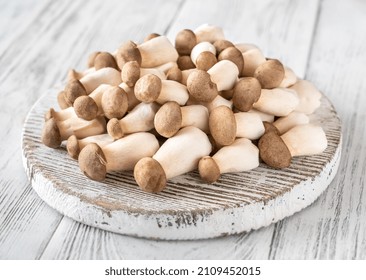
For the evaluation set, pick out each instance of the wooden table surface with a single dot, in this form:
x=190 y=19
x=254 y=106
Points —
x=323 y=41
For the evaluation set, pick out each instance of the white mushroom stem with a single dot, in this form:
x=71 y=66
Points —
x=124 y=153
x=164 y=68
x=97 y=95
x=200 y=48
x=252 y=59
x=290 y=78
x=284 y=124
x=309 y=96
x=155 y=71
x=305 y=140
x=248 y=125
x=224 y=74
x=243 y=47
x=61 y=115
x=173 y=91
x=209 y=33
x=218 y=101
x=185 y=74
x=76 y=75
x=240 y=156
x=278 y=101
x=101 y=139
x=81 y=128
x=132 y=100
x=264 y=116
x=106 y=75
x=157 y=51
x=140 y=119
x=186 y=148
x=195 y=115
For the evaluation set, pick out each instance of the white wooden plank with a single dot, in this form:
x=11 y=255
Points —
x=241 y=18
x=57 y=39
x=334 y=228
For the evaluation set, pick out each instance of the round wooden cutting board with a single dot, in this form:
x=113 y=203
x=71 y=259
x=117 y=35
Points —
x=187 y=208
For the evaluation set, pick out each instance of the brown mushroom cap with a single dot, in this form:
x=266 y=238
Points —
x=114 y=102
x=269 y=127
x=114 y=129
x=185 y=62
x=150 y=175
x=234 y=55
x=222 y=125
x=92 y=162
x=273 y=151
x=185 y=41
x=246 y=92
x=174 y=74
x=205 y=60
x=73 y=90
x=72 y=147
x=103 y=60
x=86 y=108
x=147 y=88
x=201 y=87
x=51 y=135
x=128 y=52
x=227 y=94
x=91 y=59
x=220 y=45
x=168 y=119
x=61 y=100
x=130 y=73
x=208 y=169
x=49 y=114
x=270 y=73
x=151 y=36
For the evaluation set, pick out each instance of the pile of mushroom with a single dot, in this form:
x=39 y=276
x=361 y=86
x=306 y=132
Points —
x=163 y=110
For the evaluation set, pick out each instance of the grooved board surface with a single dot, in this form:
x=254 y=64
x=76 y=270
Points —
x=322 y=41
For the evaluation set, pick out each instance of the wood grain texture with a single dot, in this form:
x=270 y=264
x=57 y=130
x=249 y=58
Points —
x=188 y=208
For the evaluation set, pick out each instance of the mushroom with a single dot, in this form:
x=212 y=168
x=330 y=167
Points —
x=240 y=156
x=132 y=101
x=106 y=75
x=151 y=36
x=278 y=101
x=91 y=59
x=218 y=101
x=186 y=147
x=202 y=48
x=185 y=75
x=201 y=87
x=220 y=45
x=111 y=101
x=185 y=41
x=60 y=115
x=75 y=145
x=234 y=55
x=120 y=155
x=61 y=101
x=284 y=124
x=309 y=96
x=150 y=88
x=155 y=71
x=171 y=117
x=73 y=90
x=174 y=74
x=141 y=118
x=302 y=140
x=103 y=60
x=246 y=92
x=224 y=74
x=127 y=52
x=263 y=116
x=209 y=33
x=130 y=73
x=166 y=66
x=225 y=126
x=270 y=73
x=54 y=132
x=290 y=78
x=185 y=62
x=252 y=56
x=157 y=51
x=206 y=60
x=75 y=75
